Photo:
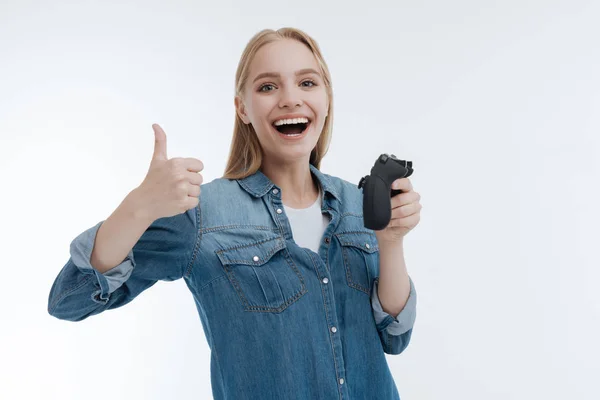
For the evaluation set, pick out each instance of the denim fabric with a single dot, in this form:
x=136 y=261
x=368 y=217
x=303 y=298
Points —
x=282 y=321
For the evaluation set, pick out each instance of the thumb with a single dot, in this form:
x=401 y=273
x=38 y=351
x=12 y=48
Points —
x=160 y=143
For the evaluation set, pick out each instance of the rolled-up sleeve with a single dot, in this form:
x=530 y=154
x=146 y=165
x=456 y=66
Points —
x=164 y=252
x=81 y=254
x=395 y=331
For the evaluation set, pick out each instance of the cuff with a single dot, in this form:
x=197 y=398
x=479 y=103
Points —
x=81 y=253
x=401 y=323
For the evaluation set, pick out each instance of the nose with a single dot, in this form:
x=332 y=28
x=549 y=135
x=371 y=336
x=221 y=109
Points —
x=290 y=97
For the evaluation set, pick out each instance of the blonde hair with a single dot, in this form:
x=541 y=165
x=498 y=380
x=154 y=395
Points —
x=245 y=154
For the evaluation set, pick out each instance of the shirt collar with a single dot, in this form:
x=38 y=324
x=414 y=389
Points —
x=258 y=184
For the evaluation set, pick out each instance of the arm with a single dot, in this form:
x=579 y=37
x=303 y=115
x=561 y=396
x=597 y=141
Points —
x=393 y=299
x=114 y=261
x=119 y=233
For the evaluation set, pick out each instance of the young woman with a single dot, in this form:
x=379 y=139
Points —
x=298 y=300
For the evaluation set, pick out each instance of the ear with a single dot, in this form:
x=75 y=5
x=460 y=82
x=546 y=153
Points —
x=241 y=109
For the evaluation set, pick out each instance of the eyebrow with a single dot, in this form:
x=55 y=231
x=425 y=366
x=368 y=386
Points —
x=276 y=75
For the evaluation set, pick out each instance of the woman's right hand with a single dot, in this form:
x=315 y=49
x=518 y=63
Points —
x=171 y=186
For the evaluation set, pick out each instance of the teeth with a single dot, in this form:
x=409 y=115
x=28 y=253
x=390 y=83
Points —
x=291 y=121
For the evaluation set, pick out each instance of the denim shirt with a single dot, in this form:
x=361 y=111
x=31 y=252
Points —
x=282 y=321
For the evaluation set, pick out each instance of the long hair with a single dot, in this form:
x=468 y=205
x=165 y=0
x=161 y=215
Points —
x=245 y=153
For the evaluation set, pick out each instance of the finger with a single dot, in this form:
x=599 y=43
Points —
x=192 y=201
x=403 y=184
x=406 y=210
x=193 y=164
x=405 y=198
x=194 y=178
x=160 y=143
x=193 y=190
x=411 y=220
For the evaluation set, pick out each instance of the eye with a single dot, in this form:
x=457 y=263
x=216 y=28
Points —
x=260 y=89
x=309 y=81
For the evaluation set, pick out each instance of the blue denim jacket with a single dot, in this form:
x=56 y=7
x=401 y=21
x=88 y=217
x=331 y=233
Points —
x=282 y=321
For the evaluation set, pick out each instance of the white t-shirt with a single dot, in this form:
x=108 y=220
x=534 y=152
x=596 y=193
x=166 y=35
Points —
x=308 y=224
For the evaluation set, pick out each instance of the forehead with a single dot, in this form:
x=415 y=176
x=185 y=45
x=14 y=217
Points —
x=283 y=56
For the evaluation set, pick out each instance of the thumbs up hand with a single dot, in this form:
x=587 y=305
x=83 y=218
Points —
x=171 y=186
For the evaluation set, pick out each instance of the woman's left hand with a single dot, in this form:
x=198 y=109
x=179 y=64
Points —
x=406 y=213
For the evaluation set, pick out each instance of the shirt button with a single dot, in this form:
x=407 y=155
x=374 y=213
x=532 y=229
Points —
x=255 y=258
x=341 y=381
x=325 y=280
x=333 y=329
x=327 y=240
x=279 y=211
x=368 y=246
x=275 y=191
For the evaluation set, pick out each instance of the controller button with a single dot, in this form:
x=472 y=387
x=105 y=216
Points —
x=362 y=182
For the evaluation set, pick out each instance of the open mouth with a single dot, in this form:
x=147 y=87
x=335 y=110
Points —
x=293 y=130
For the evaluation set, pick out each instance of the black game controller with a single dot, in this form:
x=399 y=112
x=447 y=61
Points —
x=377 y=191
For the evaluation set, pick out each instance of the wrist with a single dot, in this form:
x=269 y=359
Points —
x=392 y=244
x=137 y=207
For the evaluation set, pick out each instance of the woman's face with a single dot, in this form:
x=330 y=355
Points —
x=284 y=80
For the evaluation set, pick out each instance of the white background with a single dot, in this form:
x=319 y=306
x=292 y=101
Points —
x=496 y=103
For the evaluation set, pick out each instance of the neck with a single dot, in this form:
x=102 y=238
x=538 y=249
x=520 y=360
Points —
x=299 y=189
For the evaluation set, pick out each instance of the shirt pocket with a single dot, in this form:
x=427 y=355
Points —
x=263 y=274
x=360 y=252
